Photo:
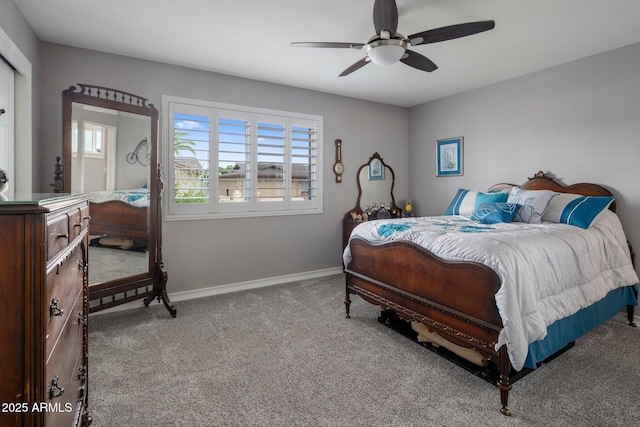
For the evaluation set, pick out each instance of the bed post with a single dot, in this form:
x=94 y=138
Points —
x=631 y=309
x=347 y=300
x=504 y=383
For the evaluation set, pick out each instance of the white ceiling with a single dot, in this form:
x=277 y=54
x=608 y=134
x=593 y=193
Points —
x=251 y=38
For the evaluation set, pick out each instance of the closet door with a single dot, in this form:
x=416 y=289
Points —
x=7 y=119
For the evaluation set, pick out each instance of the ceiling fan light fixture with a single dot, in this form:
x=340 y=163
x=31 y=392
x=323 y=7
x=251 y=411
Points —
x=386 y=52
x=388 y=46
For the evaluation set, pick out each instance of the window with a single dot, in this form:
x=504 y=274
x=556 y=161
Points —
x=226 y=160
x=93 y=138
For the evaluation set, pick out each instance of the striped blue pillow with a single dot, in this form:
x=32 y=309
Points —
x=574 y=209
x=466 y=201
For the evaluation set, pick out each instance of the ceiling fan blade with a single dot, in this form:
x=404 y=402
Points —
x=385 y=16
x=415 y=60
x=450 y=32
x=364 y=61
x=339 y=45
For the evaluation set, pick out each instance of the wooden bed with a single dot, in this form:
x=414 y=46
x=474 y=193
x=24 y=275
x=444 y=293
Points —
x=417 y=286
x=116 y=218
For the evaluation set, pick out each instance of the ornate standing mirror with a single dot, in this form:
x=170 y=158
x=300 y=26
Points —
x=375 y=196
x=110 y=152
x=375 y=186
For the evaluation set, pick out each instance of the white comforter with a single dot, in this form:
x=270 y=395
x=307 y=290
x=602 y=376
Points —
x=548 y=271
x=137 y=197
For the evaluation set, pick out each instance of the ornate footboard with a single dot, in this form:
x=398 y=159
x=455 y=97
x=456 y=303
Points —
x=455 y=299
x=119 y=219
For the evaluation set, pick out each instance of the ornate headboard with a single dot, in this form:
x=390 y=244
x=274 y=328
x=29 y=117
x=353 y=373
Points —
x=542 y=181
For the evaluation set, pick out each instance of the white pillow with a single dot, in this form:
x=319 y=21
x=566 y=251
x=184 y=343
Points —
x=534 y=203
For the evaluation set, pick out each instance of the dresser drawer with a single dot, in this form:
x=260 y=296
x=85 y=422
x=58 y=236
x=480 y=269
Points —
x=57 y=234
x=63 y=288
x=65 y=373
x=78 y=221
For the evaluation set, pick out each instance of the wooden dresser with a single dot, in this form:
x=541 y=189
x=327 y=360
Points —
x=43 y=331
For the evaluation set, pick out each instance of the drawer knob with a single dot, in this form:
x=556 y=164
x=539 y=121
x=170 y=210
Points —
x=54 y=310
x=63 y=236
x=55 y=390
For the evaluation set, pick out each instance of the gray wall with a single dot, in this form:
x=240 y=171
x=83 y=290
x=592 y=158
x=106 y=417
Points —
x=206 y=253
x=18 y=29
x=579 y=121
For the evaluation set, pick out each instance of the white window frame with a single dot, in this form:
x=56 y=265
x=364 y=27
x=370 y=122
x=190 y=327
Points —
x=253 y=115
x=79 y=132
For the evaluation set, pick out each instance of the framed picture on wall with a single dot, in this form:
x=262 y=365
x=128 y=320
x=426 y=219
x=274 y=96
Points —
x=449 y=156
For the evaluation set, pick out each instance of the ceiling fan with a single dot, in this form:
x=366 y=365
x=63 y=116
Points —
x=388 y=46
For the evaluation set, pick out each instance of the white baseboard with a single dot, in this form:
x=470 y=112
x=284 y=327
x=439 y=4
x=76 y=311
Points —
x=261 y=283
x=232 y=287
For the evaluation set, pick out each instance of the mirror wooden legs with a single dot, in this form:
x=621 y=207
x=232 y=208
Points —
x=160 y=290
x=160 y=286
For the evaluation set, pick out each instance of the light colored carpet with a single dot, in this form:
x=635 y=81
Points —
x=286 y=356
x=107 y=264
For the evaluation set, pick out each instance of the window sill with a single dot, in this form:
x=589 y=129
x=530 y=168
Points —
x=233 y=215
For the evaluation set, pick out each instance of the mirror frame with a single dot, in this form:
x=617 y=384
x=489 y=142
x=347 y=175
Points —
x=394 y=208
x=151 y=284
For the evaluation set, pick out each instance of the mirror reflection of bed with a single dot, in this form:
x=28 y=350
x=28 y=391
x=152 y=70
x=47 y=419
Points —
x=109 y=162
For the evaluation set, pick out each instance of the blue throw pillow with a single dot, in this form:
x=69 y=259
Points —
x=574 y=209
x=495 y=212
x=483 y=198
x=466 y=201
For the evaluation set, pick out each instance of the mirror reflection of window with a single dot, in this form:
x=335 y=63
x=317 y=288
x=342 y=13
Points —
x=94 y=139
